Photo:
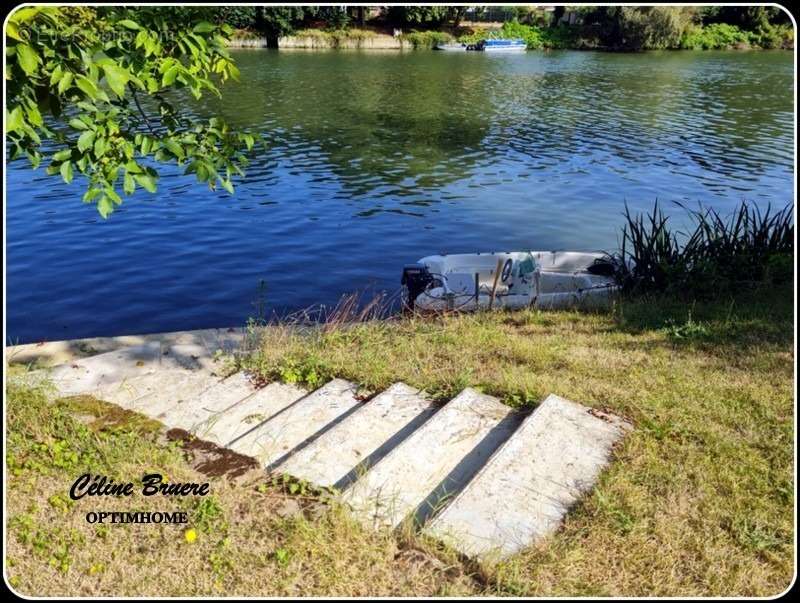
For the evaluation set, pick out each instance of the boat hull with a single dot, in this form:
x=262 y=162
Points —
x=451 y=47
x=468 y=282
x=514 y=49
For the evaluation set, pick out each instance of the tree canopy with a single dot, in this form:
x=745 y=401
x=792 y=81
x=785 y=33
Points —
x=95 y=91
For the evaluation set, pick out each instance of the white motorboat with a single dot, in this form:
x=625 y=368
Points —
x=451 y=47
x=518 y=279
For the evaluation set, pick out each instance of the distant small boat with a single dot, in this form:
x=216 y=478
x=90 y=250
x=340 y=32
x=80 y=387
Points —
x=517 y=279
x=511 y=45
x=451 y=46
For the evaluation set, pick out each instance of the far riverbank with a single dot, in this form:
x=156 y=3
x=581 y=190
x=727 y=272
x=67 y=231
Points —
x=564 y=37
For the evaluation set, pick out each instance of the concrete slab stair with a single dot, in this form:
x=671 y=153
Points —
x=523 y=492
x=349 y=448
x=433 y=462
x=226 y=427
x=274 y=440
x=474 y=473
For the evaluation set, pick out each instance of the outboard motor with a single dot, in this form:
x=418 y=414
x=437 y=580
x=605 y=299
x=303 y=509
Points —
x=416 y=279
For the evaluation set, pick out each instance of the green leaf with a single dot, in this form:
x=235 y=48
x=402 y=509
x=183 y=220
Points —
x=87 y=86
x=27 y=58
x=78 y=124
x=35 y=158
x=105 y=206
x=128 y=184
x=133 y=167
x=128 y=24
x=174 y=147
x=90 y=194
x=227 y=185
x=34 y=116
x=15 y=120
x=146 y=181
x=100 y=147
x=170 y=75
x=24 y=15
x=12 y=31
x=112 y=194
x=66 y=171
x=85 y=140
x=147 y=145
x=65 y=82
x=117 y=78
x=56 y=75
x=203 y=27
x=62 y=155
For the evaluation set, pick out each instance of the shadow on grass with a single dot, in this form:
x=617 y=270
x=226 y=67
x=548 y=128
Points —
x=763 y=315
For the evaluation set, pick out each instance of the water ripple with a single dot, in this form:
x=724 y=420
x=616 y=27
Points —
x=373 y=160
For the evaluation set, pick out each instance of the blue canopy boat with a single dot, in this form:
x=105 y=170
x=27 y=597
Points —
x=511 y=45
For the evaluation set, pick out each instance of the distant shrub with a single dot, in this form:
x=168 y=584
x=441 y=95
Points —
x=717 y=36
x=774 y=36
x=336 y=37
x=566 y=36
x=530 y=33
x=427 y=39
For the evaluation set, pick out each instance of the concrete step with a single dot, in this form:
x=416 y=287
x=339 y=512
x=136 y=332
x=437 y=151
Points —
x=344 y=452
x=86 y=375
x=134 y=392
x=300 y=423
x=434 y=462
x=190 y=412
x=224 y=428
x=162 y=393
x=52 y=353
x=524 y=490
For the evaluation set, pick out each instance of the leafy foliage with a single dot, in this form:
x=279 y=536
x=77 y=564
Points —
x=648 y=28
x=419 y=15
x=101 y=87
x=637 y=28
x=425 y=16
x=277 y=21
x=238 y=17
x=714 y=36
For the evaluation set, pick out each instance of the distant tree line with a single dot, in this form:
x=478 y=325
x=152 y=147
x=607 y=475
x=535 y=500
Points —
x=661 y=27
x=608 y=27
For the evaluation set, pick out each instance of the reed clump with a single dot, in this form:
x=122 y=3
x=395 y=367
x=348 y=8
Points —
x=717 y=255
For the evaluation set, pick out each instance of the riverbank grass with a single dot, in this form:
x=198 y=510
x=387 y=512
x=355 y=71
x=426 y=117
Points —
x=698 y=500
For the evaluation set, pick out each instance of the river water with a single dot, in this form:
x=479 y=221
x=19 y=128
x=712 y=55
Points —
x=376 y=159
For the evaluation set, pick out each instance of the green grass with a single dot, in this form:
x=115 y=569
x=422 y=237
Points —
x=698 y=500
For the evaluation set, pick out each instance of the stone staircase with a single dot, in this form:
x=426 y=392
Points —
x=475 y=473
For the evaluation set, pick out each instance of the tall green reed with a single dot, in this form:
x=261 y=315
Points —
x=715 y=255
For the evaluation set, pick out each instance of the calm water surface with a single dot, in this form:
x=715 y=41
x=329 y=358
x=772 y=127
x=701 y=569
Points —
x=375 y=160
